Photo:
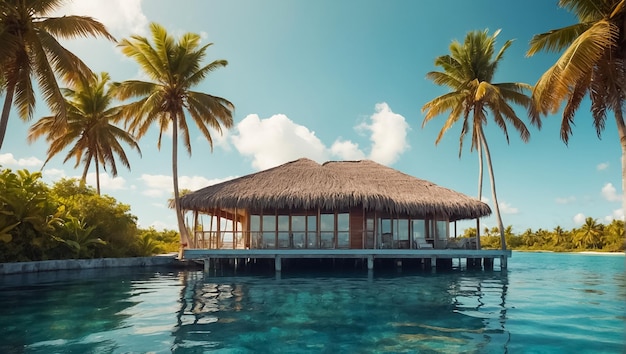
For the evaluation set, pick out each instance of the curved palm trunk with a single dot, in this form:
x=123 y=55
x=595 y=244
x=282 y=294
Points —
x=184 y=238
x=480 y=190
x=6 y=109
x=97 y=175
x=493 y=189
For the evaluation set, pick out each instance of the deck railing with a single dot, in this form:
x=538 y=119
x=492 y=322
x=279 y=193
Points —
x=301 y=240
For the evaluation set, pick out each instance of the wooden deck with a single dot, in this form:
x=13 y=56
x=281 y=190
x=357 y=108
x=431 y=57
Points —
x=369 y=254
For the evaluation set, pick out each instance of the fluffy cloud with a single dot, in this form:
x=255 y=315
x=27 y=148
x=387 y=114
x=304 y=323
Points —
x=347 y=150
x=121 y=17
x=107 y=182
x=566 y=200
x=161 y=185
x=8 y=159
x=602 y=166
x=389 y=131
x=610 y=193
x=617 y=214
x=277 y=139
x=507 y=208
x=579 y=219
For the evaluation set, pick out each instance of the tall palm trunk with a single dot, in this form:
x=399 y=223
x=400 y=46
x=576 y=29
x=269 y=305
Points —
x=97 y=174
x=480 y=189
x=179 y=215
x=6 y=109
x=493 y=189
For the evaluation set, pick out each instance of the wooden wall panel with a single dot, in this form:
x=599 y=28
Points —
x=356 y=228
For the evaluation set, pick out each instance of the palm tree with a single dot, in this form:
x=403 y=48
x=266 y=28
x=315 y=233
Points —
x=30 y=49
x=468 y=71
x=89 y=128
x=593 y=62
x=590 y=234
x=174 y=66
x=559 y=236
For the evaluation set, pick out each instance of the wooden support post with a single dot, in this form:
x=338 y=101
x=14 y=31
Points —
x=433 y=262
x=370 y=262
x=277 y=263
x=503 y=262
x=207 y=264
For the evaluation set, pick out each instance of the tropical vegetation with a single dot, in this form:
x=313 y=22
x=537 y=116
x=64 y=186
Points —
x=175 y=66
x=592 y=63
x=30 y=49
x=90 y=128
x=69 y=220
x=468 y=72
x=590 y=236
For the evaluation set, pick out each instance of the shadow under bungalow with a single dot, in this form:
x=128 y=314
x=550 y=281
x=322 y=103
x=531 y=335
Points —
x=339 y=210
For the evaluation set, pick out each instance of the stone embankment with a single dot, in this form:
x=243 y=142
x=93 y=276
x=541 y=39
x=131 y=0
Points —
x=68 y=264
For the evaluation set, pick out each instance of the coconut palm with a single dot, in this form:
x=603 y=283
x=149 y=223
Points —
x=175 y=67
x=90 y=128
x=592 y=62
x=30 y=49
x=559 y=236
x=590 y=234
x=468 y=71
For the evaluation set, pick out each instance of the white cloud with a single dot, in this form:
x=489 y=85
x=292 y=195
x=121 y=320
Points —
x=121 y=17
x=602 y=166
x=389 y=131
x=158 y=185
x=507 y=208
x=219 y=140
x=162 y=185
x=276 y=140
x=579 y=219
x=610 y=193
x=106 y=182
x=566 y=200
x=160 y=226
x=617 y=214
x=346 y=150
x=8 y=159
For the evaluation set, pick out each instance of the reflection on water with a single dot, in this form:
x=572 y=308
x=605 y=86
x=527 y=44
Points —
x=427 y=312
x=545 y=303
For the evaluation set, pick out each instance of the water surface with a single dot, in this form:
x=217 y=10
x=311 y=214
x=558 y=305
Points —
x=544 y=303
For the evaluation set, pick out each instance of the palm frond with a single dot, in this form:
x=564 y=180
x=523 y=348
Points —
x=556 y=40
x=74 y=26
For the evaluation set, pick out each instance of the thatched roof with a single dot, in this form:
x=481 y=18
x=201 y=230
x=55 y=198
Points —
x=305 y=184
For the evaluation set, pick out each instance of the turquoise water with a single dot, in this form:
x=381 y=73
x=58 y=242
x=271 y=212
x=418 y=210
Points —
x=544 y=303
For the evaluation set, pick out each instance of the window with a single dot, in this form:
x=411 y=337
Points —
x=327 y=231
x=311 y=232
x=283 y=232
x=418 y=229
x=255 y=228
x=269 y=231
x=343 y=230
x=369 y=231
x=441 y=229
x=298 y=230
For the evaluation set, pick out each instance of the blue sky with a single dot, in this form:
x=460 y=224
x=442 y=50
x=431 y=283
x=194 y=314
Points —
x=345 y=80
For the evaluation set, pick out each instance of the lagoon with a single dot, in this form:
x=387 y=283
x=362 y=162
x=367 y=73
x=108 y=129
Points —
x=544 y=303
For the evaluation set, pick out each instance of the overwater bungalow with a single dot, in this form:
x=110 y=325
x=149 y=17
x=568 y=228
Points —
x=338 y=209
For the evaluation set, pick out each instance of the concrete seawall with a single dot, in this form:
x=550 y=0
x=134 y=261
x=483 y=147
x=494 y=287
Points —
x=67 y=264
